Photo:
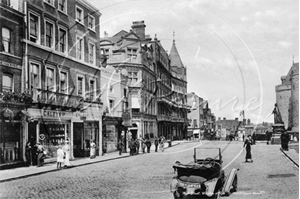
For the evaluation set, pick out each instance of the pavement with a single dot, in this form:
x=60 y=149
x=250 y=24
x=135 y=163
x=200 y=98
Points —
x=293 y=153
x=24 y=172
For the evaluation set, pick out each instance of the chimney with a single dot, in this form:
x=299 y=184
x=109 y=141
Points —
x=219 y=118
x=236 y=119
x=138 y=27
x=224 y=118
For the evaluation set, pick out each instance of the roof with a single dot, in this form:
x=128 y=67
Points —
x=174 y=57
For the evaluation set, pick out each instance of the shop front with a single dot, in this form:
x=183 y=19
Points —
x=11 y=131
x=50 y=128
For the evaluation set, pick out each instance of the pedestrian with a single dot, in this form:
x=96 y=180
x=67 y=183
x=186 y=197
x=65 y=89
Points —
x=162 y=143
x=148 y=145
x=131 y=146
x=60 y=156
x=284 y=141
x=40 y=154
x=120 y=146
x=156 y=143
x=243 y=137
x=137 y=145
x=268 y=137
x=66 y=149
x=143 y=144
x=247 y=145
x=92 y=149
x=28 y=153
x=254 y=138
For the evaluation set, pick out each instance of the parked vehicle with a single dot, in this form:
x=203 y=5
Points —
x=204 y=176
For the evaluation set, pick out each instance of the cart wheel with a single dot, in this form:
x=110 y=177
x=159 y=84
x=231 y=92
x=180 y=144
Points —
x=234 y=184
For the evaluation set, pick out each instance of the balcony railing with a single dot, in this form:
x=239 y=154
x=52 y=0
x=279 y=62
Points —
x=59 y=99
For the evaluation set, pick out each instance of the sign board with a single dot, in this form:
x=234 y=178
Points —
x=126 y=116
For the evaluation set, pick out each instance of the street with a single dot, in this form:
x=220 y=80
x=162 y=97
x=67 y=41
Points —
x=271 y=175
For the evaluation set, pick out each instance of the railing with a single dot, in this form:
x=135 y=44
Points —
x=59 y=99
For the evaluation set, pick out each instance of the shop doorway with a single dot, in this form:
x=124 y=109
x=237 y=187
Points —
x=77 y=139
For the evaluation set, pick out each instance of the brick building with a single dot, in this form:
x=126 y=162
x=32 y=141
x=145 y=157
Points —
x=61 y=70
x=13 y=99
x=287 y=98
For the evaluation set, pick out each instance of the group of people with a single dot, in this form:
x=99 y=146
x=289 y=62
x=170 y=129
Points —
x=35 y=154
x=144 y=143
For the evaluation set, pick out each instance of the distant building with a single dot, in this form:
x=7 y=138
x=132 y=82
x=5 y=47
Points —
x=287 y=98
x=227 y=127
x=195 y=115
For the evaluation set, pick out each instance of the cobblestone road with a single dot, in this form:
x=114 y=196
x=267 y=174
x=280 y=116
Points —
x=148 y=176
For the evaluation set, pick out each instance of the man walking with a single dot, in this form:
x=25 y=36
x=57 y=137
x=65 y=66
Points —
x=137 y=145
x=120 y=146
x=156 y=143
x=148 y=145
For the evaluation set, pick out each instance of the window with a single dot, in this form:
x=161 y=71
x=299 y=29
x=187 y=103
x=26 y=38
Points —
x=34 y=28
x=49 y=2
x=7 y=83
x=79 y=15
x=92 y=53
x=62 y=5
x=63 y=82
x=131 y=53
x=6 y=40
x=49 y=34
x=62 y=40
x=80 y=86
x=91 y=22
x=111 y=103
x=92 y=89
x=79 y=47
x=50 y=79
x=35 y=75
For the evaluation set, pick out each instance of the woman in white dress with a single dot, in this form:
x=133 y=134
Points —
x=66 y=149
x=60 y=156
x=93 y=149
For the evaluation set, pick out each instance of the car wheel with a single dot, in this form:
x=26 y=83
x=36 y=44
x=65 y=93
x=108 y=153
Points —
x=177 y=195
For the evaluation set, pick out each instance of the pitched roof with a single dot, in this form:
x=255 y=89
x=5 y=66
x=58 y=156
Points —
x=174 y=57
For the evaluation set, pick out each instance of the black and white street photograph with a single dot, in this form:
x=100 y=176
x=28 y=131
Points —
x=149 y=99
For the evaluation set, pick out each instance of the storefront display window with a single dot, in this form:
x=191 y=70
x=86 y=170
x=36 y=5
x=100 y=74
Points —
x=51 y=135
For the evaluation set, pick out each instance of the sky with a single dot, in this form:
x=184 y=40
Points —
x=235 y=51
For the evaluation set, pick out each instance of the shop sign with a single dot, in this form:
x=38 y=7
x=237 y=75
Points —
x=51 y=113
x=126 y=116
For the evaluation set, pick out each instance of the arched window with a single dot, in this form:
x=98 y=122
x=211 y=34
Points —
x=7 y=83
x=6 y=40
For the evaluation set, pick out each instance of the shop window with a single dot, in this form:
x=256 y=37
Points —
x=7 y=83
x=6 y=40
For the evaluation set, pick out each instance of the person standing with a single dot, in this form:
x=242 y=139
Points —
x=66 y=149
x=137 y=145
x=40 y=154
x=143 y=144
x=284 y=137
x=156 y=143
x=253 y=138
x=92 y=149
x=247 y=145
x=60 y=157
x=148 y=145
x=120 y=146
x=28 y=153
x=131 y=145
x=162 y=143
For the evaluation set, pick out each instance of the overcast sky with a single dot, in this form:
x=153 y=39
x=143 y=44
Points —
x=235 y=51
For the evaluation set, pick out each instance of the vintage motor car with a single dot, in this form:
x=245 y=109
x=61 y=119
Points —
x=204 y=177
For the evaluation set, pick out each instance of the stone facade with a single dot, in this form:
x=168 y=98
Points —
x=287 y=98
